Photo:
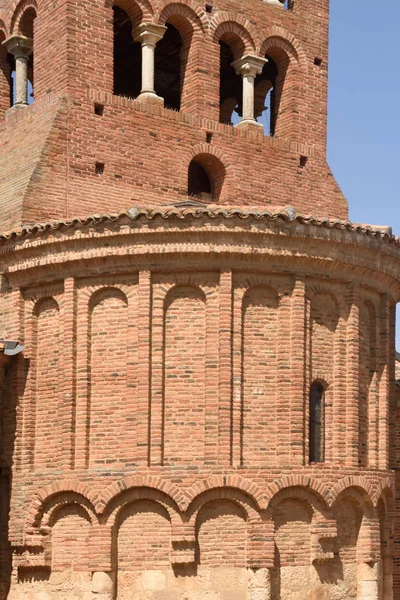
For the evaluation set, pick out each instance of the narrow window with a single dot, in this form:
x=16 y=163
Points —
x=26 y=27
x=199 y=184
x=265 y=97
x=168 y=71
x=127 y=57
x=317 y=424
x=230 y=87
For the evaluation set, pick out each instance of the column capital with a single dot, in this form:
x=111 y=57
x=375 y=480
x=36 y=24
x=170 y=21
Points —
x=19 y=46
x=148 y=33
x=249 y=65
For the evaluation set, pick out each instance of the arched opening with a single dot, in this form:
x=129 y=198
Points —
x=127 y=57
x=205 y=178
x=230 y=86
x=317 y=423
x=26 y=29
x=7 y=66
x=199 y=184
x=265 y=96
x=281 y=68
x=168 y=68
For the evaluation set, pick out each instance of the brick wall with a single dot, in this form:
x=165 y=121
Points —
x=133 y=139
x=182 y=469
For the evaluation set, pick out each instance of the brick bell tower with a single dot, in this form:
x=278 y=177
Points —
x=205 y=405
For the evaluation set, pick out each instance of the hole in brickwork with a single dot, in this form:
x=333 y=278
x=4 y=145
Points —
x=209 y=8
x=99 y=109
x=127 y=57
x=317 y=61
x=303 y=161
x=209 y=137
x=99 y=168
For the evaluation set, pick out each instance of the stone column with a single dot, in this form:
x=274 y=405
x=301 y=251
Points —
x=148 y=34
x=248 y=67
x=367 y=581
x=259 y=584
x=21 y=48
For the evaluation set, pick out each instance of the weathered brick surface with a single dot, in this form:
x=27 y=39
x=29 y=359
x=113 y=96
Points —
x=54 y=145
x=160 y=486
x=155 y=432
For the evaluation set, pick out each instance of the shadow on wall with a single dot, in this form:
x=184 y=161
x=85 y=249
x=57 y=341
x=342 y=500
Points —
x=10 y=388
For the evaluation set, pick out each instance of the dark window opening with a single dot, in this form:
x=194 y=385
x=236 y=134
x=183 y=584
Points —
x=209 y=8
x=265 y=97
x=317 y=423
x=199 y=184
x=209 y=137
x=230 y=87
x=288 y=4
x=167 y=68
x=127 y=57
x=11 y=78
x=317 y=61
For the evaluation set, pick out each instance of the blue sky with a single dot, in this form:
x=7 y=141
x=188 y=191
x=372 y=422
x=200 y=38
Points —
x=364 y=106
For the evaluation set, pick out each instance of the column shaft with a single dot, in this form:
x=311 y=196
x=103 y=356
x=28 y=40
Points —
x=248 y=97
x=21 y=80
x=148 y=68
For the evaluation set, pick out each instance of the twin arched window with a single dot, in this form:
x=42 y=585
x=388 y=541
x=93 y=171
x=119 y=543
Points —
x=170 y=60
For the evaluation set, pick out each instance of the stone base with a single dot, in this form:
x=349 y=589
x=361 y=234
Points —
x=150 y=97
x=332 y=581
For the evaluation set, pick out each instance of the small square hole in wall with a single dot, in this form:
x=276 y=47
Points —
x=317 y=61
x=303 y=161
x=99 y=109
x=99 y=169
x=208 y=137
x=209 y=8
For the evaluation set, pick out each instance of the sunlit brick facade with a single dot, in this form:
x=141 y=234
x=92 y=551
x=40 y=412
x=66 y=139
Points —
x=205 y=407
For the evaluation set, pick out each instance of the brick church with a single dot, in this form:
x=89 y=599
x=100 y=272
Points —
x=197 y=366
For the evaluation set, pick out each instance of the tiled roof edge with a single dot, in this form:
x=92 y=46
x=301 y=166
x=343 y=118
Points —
x=207 y=211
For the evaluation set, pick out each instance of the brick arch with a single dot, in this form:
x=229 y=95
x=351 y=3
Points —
x=359 y=488
x=214 y=163
x=169 y=296
x=310 y=484
x=225 y=482
x=385 y=492
x=78 y=490
x=96 y=296
x=231 y=26
x=227 y=493
x=37 y=306
x=19 y=12
x=137 y=10
x=183 y=11
x=3 y=27
x=135 y=494
x=140 y=482
x=279 y=38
